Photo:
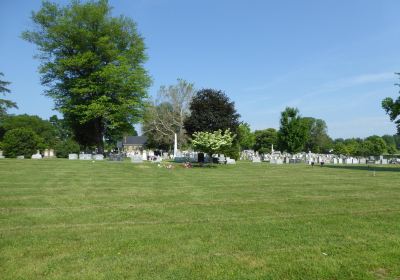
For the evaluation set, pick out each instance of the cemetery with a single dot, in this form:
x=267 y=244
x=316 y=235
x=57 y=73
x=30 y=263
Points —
x=278 y=159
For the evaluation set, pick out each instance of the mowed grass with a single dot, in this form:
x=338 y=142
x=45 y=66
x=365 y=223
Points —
x=63 y=219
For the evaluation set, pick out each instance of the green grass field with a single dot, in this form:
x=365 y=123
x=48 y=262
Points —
x=63 y=219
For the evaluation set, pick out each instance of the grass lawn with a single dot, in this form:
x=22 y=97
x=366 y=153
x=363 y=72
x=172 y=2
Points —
x=63 y=219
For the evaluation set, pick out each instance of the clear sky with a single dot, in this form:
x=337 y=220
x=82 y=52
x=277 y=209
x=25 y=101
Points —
x=332 y=59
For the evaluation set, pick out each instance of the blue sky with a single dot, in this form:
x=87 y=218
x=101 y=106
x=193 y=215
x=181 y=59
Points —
x=334 y=60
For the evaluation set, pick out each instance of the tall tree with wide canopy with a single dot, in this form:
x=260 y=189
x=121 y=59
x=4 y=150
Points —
x=292 y=134
x=4 y=103
x=211 y=110
x=92 y=65
x=318 y=140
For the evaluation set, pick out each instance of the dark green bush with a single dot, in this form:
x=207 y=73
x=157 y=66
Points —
x=66 y=147
x=21 y=141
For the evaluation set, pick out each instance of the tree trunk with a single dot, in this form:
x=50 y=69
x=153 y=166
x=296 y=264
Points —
x=99 y=136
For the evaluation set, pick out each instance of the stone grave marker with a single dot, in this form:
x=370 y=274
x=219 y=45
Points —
x=73 y=156
x=37 y=155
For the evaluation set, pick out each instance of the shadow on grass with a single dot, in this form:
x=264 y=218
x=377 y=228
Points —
x=204 y=165
x=365 y=167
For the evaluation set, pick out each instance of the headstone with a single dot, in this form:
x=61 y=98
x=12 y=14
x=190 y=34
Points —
x=115 y=157
x=200 y=157
x=230 y=160
x=37 y=155
x=85 y=156
x=20 y=157
x=384 y=161
x=73 y=156
x=144 y=155
x=98 y=157
x=46 y=153
x=1 y=155
x=256 y=159
x=222 y=159
x=51 y=153
x=137 y=159
x=335 y=161
x=362 y=161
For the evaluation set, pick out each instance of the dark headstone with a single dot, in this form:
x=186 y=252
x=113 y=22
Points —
x=200 y=157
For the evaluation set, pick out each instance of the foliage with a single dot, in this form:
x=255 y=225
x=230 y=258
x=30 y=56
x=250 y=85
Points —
x=376 y=145
x=264 y=139
x=211 y=110
x=92 y=64
x=370 y=146
x=212 y=142
x=292 y=134
x=245 y=137
x=390 y=144
x=21 y=141
x=42 y=128
x=165 y=116
x=318 y=140
x=63 y=148
x=4 y=103
x=392 y=108
x=61 y=128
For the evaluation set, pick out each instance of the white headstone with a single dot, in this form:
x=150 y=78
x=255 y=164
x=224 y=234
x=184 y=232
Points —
x=37 y=155
x=144 y=155
x=98 y=157
x=73 y=156
x=136 y=159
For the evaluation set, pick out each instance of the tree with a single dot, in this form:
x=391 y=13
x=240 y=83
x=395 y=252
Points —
x=92 y=65
x=392 y=108
x=61 y=127
x=4 y=103
x=264 y=139
x=318 y=140
x=245 y=137
x=211 y=110
x=42 y=128
x=165 y=116
x=390 y=144
x=212 y=142
x=376 y=145
x=66 y=147
x=292 y=133
x=21 y=141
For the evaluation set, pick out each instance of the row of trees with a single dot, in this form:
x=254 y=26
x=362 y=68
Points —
x=183 y=110
x=92 y=66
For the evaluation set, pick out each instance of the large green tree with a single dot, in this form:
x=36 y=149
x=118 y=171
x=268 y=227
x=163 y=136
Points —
x=245 y=137
x=292 y=134
x=42 y=128
x=264 y=139
x=318 y=140
x=92 y=65
x=392 y=108
x=211 y=110
x=5 y=104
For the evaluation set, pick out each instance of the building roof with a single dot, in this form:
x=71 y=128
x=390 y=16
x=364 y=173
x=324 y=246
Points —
x=134 y=140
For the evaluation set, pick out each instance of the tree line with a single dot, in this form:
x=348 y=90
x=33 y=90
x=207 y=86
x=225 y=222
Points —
x=92 y=66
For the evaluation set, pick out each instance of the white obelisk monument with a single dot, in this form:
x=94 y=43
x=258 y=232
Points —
x=175 y=145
